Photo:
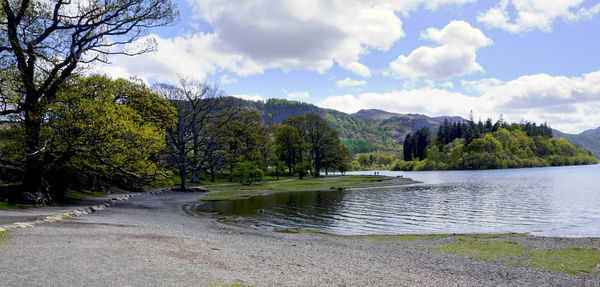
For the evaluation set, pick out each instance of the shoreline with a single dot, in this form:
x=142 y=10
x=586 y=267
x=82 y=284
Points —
x=151 y=240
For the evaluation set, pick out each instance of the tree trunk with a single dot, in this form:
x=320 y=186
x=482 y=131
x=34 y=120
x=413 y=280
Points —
x=183 y=175
x=195 y=176
x=34 y=186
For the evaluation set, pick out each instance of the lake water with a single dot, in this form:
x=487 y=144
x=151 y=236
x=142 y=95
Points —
x=554 y=201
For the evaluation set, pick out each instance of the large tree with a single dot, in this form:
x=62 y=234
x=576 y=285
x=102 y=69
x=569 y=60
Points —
x=288 y=146
x=42 y=43
x=201 y=111
x=322 y=140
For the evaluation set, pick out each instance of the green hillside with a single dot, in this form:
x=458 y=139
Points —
x=589 y=140
x=355 y=133
x=379 y=131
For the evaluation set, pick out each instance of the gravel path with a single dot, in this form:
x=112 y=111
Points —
x=150 y=240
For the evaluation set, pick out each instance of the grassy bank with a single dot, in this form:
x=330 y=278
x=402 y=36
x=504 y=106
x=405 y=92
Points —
x=238 y=191
x=491 y=247
x=568 y=260
x=83 y=194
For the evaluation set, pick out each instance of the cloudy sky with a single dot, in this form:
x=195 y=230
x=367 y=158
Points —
x=536 y=60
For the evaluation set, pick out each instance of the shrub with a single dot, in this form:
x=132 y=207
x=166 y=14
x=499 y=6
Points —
x=248 y=173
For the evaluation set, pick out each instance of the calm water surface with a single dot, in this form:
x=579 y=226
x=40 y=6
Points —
x=556 y=201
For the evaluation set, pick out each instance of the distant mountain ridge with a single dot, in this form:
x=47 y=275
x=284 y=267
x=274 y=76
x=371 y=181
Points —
x=384 y=130
x=589 y=140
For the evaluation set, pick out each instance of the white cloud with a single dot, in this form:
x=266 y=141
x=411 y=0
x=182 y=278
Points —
x=348 y=82
x=249 y=37
x=298 y=95
x=191 y=56
x=447 y=85
x=252 y=97
x=570 y=104
x=455 y=56
x=426 y=100
x=535 y=14
x=226 y=80
x=480 y=86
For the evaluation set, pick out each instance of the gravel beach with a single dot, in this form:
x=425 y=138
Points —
x=151 y=240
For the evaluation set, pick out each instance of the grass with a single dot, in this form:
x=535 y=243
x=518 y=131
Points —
x=4 y=205
x=238 y=191
x=74 y=194
x=4 y=236
x=221 y=179
x=569 y=260
x=488 y=250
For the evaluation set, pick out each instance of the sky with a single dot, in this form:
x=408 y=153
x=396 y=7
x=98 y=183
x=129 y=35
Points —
x=534 y=60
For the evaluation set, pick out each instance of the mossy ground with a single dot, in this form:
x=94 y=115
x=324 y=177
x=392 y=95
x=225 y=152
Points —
x=74 y=194
x=568 y=260
x=4 y=205
x=238 y=191
x=4 y=236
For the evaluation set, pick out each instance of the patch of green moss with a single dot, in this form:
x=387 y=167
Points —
x=74 y=194
x=4 y=236
x=569 y=260
x=489 y=250
x=4 y=205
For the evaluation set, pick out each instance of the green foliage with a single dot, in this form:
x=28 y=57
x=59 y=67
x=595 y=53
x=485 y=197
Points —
x=248 y=173
x=301 y=169
x=108 y=128
x=357 y=146
x=509 y=147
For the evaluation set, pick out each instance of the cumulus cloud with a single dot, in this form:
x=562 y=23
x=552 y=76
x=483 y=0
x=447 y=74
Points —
x=226 y=80
x=535 y=14
x=298 y=95
x=455 y=56
x=426 y=100
x=192 y=56
x=348 y=82
x=249 y=37
x=252 y=97
x=570 y=104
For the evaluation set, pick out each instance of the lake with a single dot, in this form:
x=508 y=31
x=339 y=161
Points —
x=553 y=201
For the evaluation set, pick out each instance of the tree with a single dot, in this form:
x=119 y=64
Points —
x=248 y=172
x=318 y=135
x=41 y=46
x=288 y=145
x=200 y=110
x=105 y=129
x=245 y=140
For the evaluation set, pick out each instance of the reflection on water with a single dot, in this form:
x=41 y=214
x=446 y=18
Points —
x=563 y=201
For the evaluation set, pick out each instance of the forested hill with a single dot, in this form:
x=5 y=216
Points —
x=589 y=140
x=397 y=126
x=365 y=131
x=378 y=130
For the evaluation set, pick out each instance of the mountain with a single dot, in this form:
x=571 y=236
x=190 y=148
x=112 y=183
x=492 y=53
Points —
x=364 y=131
x=589 y=140
x=372 y=129
x=397 y=126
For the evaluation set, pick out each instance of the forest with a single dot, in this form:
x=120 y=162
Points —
x=488 y=145
x=100 y=132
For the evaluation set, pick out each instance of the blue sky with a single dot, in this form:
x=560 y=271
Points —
x=531 y=60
